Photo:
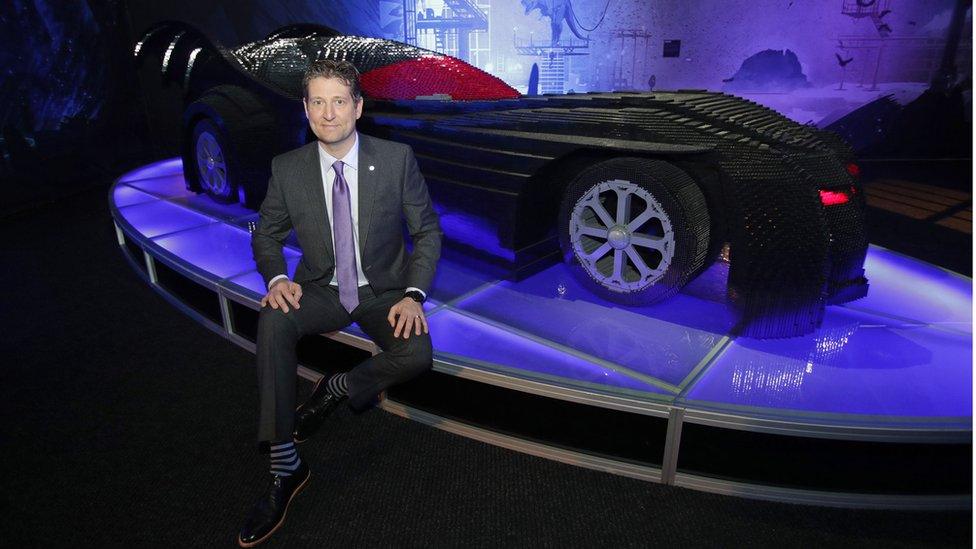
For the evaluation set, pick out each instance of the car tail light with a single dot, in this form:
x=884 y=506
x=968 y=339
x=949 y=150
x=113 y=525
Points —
x=833 y=198
x=854 y=169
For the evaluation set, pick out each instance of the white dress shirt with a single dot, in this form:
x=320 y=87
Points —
x=350 y=170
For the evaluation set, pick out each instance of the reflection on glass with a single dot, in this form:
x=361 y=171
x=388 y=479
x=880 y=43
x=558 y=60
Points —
x=774 y=372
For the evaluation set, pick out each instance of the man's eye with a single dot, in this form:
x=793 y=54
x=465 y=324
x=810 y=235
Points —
x=340 y=101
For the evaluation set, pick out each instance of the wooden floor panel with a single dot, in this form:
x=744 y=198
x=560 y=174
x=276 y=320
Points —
x=923 y=202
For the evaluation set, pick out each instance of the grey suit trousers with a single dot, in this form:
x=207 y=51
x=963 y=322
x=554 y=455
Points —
x=320 y=311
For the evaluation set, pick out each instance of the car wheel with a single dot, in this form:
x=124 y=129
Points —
x=212 y=163
x=229 y=137
x=634 y=230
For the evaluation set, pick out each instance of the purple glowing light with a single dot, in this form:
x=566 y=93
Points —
x=497 y=349
x=170 y=186
x=124 y=195
x=857 y=363
x=204 y=204
x=551 y=305
x=474 y=232
x=152 y=219
x=219 y=249
x=905 y=288
x=163 y=168
x=453 y=280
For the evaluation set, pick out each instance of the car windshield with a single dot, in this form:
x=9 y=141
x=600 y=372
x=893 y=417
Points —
x=389 y=70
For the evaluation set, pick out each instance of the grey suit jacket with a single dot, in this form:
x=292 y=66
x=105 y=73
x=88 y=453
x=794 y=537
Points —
x=393 y=190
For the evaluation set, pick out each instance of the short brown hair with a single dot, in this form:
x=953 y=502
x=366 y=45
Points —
x=331 y=68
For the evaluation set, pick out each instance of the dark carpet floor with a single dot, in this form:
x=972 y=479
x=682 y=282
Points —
x=125 y=423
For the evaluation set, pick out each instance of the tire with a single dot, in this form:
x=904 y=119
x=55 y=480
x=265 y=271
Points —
x=216 y=173
x=229 y=138
x=627 y=263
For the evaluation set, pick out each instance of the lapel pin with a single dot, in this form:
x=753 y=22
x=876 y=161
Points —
x=371 y=168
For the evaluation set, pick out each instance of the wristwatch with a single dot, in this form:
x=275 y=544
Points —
x=416 y=296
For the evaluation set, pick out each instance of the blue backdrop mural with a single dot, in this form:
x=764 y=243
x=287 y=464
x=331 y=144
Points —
x=813 y=61
x=809 y=60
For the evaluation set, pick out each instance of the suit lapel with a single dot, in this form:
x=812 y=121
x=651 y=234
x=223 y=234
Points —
x=311 y=179
x=367 y=187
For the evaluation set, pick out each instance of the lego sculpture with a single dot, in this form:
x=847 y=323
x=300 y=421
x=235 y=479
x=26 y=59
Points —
x=638 y=192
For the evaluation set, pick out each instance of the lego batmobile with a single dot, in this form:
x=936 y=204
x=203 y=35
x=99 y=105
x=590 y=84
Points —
x=638 y=192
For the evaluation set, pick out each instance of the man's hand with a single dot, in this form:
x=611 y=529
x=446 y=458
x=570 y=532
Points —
x=283 y=293
x=411 y=318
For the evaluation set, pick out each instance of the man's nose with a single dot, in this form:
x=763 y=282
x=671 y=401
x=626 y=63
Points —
x=328 y=112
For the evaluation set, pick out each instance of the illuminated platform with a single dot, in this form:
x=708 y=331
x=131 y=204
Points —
x=872 y=410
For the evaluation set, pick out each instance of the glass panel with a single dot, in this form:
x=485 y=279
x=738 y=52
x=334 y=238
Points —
x=125 y=195
x=204 y=204
x=159 y=217
x=665 y=342
x=219 y=249
x=461 y=337
x=856 y=363
x=911 y=289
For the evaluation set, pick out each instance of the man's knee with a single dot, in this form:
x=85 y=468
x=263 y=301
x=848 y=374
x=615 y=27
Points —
x=275 y=322
x=424 y=359
x=416 y=355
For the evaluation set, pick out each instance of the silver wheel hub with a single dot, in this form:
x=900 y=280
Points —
x=211 y=165
x=621 y=236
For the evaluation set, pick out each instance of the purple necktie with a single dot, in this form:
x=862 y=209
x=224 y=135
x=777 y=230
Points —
x=345 y=248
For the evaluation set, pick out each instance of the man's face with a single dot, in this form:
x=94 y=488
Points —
x=331 y=111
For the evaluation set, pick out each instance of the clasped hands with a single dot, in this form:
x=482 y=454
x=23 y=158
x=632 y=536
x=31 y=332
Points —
x=405 y=316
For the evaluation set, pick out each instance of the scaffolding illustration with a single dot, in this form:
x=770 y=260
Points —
x=620 y=79
x=553 y=60
x=924 y=58
x=446 y=26
x=872 y=9
x=866 y=46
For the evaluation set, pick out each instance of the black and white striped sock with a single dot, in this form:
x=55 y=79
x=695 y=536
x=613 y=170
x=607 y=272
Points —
x=284 y=458
x=337 y=385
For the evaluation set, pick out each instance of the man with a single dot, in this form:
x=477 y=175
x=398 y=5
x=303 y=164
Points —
x=344 y=195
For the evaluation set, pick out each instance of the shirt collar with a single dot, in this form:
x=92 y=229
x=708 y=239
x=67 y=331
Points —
x=351 y=160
